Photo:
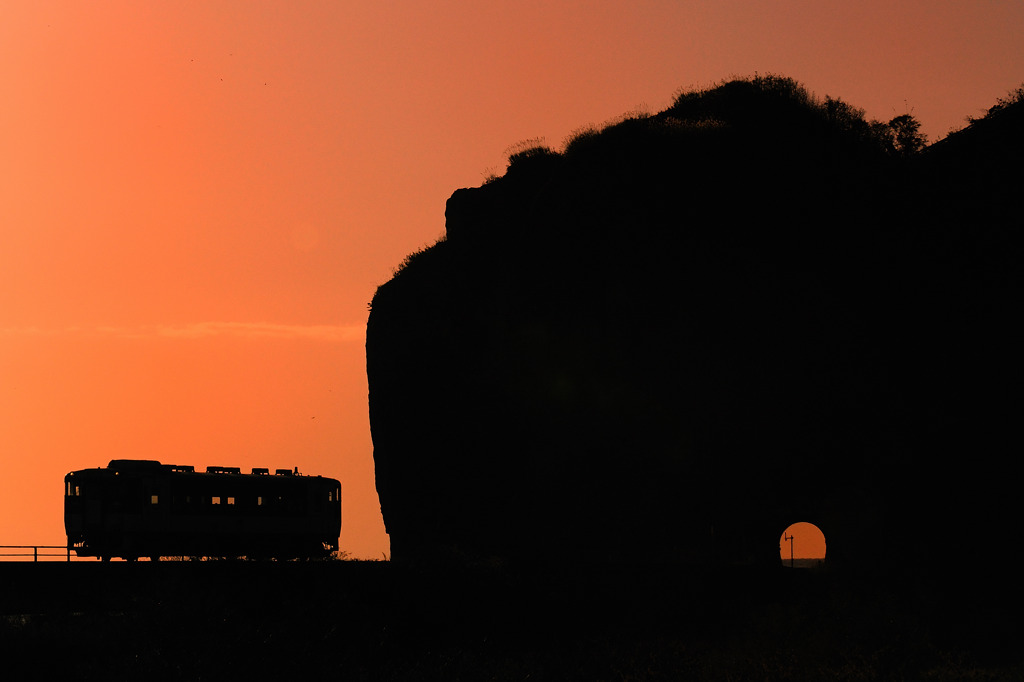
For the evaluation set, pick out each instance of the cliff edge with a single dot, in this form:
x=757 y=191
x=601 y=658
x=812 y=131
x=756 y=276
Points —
x=687 y=330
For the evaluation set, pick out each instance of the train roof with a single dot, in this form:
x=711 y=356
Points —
x=152 y=465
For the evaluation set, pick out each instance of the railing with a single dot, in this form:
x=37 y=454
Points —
x=6 y=554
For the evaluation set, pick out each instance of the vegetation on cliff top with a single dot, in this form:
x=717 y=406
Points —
x=760 y=103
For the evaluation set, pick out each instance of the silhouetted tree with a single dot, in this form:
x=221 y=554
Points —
x=907 y=135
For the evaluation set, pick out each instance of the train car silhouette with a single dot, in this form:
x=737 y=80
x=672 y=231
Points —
x=142 y=508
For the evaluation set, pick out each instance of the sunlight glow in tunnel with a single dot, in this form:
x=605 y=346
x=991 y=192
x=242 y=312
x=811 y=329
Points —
x=801 y=542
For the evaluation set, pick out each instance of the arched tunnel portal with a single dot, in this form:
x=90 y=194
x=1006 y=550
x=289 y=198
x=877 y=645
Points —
x=850 y=518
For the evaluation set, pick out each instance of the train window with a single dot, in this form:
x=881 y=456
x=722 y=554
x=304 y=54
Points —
x=215 y=500
x=154 y=499
x=259 y=500
x=231 y=500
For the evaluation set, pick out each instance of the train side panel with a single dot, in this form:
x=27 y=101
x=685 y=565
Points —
x=149 y=509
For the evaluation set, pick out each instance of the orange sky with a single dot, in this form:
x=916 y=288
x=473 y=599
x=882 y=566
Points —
x=200 y=198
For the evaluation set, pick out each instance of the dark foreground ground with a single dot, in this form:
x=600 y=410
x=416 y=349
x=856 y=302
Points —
x=380 y=621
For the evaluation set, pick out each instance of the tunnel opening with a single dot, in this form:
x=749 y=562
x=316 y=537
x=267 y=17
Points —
x=802 y=545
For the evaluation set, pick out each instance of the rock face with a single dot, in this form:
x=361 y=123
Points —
x=688 y=330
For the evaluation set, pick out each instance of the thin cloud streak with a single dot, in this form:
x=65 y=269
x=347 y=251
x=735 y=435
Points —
x=332 y=333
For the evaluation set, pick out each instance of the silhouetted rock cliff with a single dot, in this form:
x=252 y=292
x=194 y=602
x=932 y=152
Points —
x=690 y=329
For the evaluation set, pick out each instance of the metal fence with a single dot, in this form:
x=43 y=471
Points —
x=37 y=552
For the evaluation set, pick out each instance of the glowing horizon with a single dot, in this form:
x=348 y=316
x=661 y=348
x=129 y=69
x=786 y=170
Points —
x=200 y=330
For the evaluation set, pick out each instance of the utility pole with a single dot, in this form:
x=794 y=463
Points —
x=790 y=538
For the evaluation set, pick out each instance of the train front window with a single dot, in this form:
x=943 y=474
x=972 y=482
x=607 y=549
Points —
x=154 y=499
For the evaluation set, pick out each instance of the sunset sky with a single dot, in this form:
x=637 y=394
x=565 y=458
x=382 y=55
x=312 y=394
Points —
x=199 y=198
